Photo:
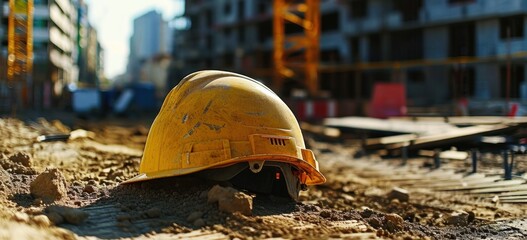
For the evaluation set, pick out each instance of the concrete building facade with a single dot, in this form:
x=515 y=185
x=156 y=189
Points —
x=54 y=34
x=441 y=50
x=151 y=37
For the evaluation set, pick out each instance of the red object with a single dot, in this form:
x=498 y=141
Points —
x=389 y=99
x=313 y=109
x=513 y=111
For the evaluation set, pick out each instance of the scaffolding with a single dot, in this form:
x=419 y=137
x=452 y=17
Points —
x=298 y=52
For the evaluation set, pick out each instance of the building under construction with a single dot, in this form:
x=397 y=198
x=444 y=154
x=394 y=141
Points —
x=52 y=45
x=442 y=50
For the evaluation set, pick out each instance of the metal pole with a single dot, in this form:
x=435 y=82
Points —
x=437 y=159
x=506 y=168
x=474 y=155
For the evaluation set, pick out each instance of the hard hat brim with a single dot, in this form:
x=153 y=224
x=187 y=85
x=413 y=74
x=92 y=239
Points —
x=314 y=176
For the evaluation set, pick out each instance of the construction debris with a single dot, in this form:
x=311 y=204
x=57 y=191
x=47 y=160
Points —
x=364 y=197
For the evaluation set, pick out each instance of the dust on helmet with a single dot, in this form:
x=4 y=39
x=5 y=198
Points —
x=227 y=126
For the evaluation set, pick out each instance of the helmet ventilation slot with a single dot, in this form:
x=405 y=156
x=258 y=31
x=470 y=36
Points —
x=277 y=141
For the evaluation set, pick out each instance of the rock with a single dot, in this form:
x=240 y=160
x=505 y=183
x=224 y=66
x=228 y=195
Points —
x=42 y=220
x=366 y=212
x=50 y=186
x=21 y=217
x=217 y=192
x=6 y=185
x=70 y=215
x=239 y=202
x=394 y=222
x=21 y=158
x=399 y=194
x=123 y=218
x=194 y=216
x=199 y=222
x=230 y=200
x=325 y=213
x=459 y=218
x=55 y=218
x=90 y=189
x=153 y=212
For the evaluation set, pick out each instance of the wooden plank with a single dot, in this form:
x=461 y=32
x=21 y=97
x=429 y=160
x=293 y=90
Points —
x=460 y=134
x=521 y=187
x=327 y=132
x=513 y=197
x=513 y=193
x=449 y=154
x=495 y=185
x=390 y=127
x=462 y=183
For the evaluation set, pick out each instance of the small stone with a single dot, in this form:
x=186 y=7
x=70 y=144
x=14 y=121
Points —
x=459 y=218
x=42 y=220
x=153 y=212
x=394 y=222
x=21 y=217
x=199 y=222
x=230 y=200
x=21 y=158
x=217 y=192
x=123 y=217
x=90 y=189
x=38 y=202
x=70 y=215
x=194 y=216
x=399 y=194
x=239 y=202
x=325 y=213
x=366 y=212
x=50 y=186
x=55 y=218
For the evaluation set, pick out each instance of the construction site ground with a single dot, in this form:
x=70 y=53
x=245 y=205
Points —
x=356 y=202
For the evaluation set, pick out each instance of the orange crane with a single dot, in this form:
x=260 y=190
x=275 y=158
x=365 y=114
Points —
x=294 y=53
x=19 y=44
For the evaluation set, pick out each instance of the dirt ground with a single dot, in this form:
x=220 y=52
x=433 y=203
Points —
x=355 y=203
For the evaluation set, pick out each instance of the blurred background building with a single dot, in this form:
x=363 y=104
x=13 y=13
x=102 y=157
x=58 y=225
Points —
x=65 y=52
x=442 y=51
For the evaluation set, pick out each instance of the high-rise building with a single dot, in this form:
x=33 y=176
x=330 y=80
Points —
x=63 y=40
x=441 y=50
x=151 y=37
x=54 y=34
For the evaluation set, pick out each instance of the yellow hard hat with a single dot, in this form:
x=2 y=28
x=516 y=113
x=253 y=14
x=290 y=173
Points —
x=217 y=120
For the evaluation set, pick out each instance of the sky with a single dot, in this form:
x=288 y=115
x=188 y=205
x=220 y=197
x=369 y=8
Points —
x=113 y=20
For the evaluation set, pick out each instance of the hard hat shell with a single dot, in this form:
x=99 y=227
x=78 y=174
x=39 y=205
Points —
x=214 y=119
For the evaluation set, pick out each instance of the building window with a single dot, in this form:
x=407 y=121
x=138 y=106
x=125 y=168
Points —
x=462 y=82
x=241 y=10
x=40 y=2
x=227 y=8
x=409 y=9
x=406 y=45
x=374 y=48
x=511 y=27
x=358 y=8
x=516 y=79
x=416 y=76
x=40 y=23
x=330 y=22
x=460 y=1
x=265 y=30
x=462 y=40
